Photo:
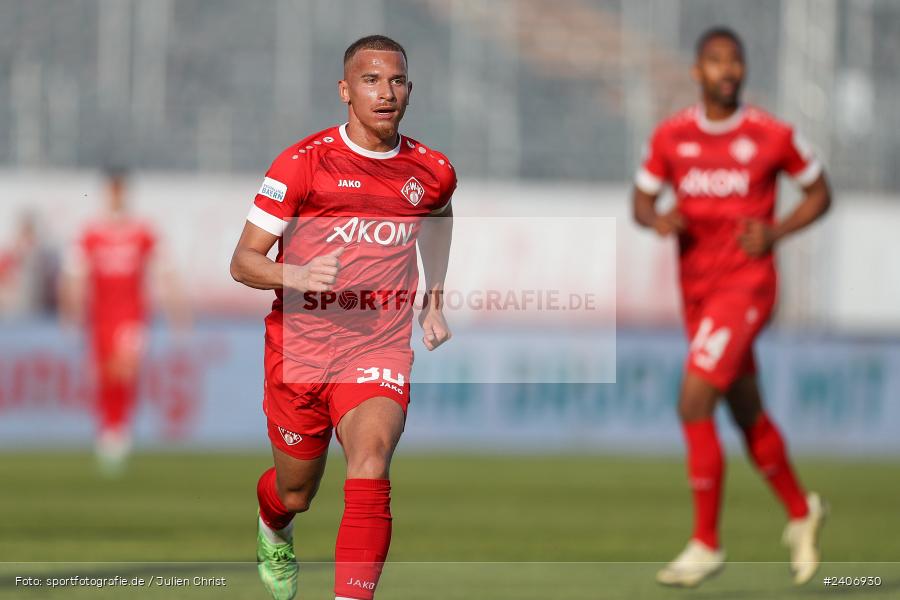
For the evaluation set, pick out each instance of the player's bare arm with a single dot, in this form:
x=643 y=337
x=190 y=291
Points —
x=646 y=215
x=71 y=293
x=434 y=246
x=251 y=266
x=758 y=238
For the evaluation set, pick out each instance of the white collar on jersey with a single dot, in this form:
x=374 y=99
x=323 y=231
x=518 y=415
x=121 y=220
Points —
x=369 y=153
x=722 y=126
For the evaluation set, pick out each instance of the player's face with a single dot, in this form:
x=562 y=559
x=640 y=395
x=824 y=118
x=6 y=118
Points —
x=116 y=195
x=377 y=89
x=720 y=71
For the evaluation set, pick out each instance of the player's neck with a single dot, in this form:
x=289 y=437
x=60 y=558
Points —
x=719 y=112
x=367 y=139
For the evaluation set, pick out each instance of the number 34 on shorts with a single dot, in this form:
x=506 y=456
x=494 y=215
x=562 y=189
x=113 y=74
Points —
x=384 y=376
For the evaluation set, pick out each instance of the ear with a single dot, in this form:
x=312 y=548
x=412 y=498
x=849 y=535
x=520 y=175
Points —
x=344 y=91
x=408 y=91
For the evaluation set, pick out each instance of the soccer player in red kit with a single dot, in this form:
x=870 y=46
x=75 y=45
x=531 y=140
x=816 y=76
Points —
x=723 y=159
x=348 y=206
x=107 y=270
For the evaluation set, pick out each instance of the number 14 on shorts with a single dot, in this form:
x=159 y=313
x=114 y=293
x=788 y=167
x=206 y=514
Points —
x=708 y=346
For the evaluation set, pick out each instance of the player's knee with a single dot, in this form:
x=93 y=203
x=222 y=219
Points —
x=689 y=411
x=369 y=466
x=297 y=501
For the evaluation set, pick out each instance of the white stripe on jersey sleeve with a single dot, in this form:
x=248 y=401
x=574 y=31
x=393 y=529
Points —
x=647 y=182
x=263 y=220
x=808 y=175
x=441 y=210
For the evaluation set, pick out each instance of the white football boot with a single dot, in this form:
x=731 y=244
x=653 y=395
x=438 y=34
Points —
x=696 y=563
x=801 y=536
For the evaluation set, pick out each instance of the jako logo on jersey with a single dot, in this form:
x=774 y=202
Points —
x=274 y=189
x=715 y=182
x=349 y=183
x=385 y=233
x=290 y=438
x=688 y=149
x=413 y=191
x=743 y=150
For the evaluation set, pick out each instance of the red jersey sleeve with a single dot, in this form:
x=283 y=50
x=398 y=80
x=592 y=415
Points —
x=654 y=169
x=447 y=178
x=149 y=241
x=282 y=191
x=799 y=160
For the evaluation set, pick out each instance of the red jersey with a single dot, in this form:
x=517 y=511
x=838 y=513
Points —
x=325 y=192
x=723 y=172
x=115 y=255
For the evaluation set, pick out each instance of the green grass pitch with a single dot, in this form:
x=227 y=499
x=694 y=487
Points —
x=465 y=527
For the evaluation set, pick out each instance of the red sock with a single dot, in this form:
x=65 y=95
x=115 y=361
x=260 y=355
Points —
x=116 y=404
x=110 y=406
x=705 y=472
x=768 y=452
x=363 y=539
x=271 y=509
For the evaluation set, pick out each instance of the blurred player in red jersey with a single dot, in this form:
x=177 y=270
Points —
x=369 y=194
x=723 y=159
x=104 y=287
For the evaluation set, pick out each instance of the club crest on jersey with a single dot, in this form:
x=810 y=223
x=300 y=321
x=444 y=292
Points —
x=688 y=149
x=290 y=438
x=349 y=183
x=413 y=191
x=743 y=150
x=274 y=189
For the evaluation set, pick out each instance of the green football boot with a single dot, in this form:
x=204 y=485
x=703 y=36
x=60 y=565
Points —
x=277 y=565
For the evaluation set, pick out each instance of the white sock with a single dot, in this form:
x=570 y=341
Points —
x=277 y=536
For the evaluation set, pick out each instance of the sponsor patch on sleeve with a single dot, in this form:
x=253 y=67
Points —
x=274 y=189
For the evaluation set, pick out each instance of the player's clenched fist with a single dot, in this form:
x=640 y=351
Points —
x=756 y=238
x=318 y=275
x=435 y=328
x=669 y=223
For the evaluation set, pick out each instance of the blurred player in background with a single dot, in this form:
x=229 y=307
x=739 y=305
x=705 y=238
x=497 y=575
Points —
x=104 y=287
x=722 y=159
x=364 y=181
x=28 y=271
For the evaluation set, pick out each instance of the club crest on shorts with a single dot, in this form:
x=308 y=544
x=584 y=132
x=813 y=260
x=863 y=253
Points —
x=290 y=438
x=413 y=191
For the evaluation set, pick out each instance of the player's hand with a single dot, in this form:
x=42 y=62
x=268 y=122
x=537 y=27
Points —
x=669 y=223
x=318 y=275
x=756 y=237
x=434 y=327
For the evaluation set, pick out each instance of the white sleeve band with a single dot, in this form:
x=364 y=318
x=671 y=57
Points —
x=441 y=210
x=647 y=182
x=263 y=220
x=809 y=174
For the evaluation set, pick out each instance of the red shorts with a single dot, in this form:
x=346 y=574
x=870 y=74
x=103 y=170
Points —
x=722 y=328
x=112 y=338
x=303 y=404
